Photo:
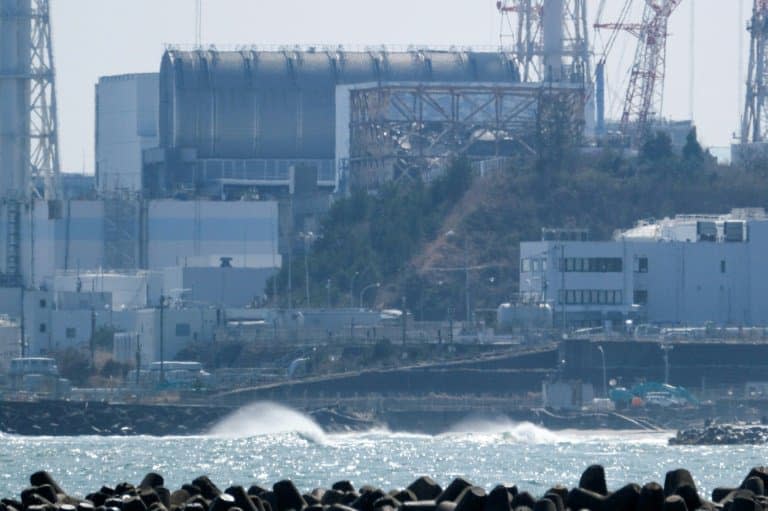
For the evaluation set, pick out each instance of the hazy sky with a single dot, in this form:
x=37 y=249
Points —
x=94 y=38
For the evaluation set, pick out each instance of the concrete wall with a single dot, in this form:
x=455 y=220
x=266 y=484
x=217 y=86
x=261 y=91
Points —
x=223 y=287
x=126 y=124
x=181 y=231
x=72 y=242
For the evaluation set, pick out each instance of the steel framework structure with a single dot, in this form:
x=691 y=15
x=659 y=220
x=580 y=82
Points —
x=402 y=131
x=644 y=98
x=755 y=117
x=44 y=147
x=522 y=30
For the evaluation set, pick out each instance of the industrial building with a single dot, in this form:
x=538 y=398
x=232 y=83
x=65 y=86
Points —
x=236 y=123
x=690 y=270
x=126 y=124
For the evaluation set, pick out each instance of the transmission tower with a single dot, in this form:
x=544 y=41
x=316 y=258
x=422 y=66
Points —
x=549 y=39
x=44 y=147
x=755 y=118
x=645 y=93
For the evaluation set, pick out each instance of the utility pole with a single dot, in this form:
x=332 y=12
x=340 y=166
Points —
x=93 y=338
x=138 y=358
x=23 y=328
x=162 y=339
x=466 y=280
x=605 y=379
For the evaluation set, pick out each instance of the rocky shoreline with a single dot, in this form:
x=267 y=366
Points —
x=678 y=493
x=722 y=434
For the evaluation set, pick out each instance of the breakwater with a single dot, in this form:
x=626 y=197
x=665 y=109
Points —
x=677 y=493
x=70 y=418
x=722 y=434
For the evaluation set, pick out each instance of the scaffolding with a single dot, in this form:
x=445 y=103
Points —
x=121 y=233
x=413 y=131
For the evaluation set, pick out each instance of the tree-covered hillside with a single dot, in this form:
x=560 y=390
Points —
x=417 y=239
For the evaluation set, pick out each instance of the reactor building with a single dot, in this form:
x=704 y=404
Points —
x=253 y=121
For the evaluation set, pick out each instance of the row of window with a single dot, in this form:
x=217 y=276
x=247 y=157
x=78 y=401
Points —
x=578 y=264
x=590 y=297
x=593 y=264
x=533 y=265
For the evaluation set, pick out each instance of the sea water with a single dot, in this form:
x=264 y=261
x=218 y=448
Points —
x=265 y=443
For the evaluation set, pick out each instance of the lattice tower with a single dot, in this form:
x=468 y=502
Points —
x=755 y=118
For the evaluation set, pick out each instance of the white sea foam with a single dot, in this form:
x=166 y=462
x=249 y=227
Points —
x=267 y=418
x=522 y=432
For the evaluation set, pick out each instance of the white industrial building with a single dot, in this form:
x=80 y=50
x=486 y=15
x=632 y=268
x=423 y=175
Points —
x=126 y=125
x=126 y=235
x=690 y=270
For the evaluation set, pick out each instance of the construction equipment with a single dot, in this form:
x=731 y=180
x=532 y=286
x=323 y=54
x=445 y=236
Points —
x=645 y=93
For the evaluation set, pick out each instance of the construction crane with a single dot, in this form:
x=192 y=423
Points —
x=754 y=119
x=645 y=93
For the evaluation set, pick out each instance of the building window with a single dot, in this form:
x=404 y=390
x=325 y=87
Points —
x=183 y=330
x=525 y=264
x=722 y=266
x=640 y=297
x=71 y=333
x=594 y=264
x=591 y=297
x=641 y=265
x=43 y=303
x=42 y=328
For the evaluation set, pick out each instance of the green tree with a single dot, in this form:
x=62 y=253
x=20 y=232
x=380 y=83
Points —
x=657 y=147
x=692 y=151
x=74 y=365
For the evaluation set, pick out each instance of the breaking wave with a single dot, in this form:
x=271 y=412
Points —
x=267 y=418
x=522 y=432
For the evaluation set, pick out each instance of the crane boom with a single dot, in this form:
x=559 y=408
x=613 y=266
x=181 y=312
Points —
x=644 y=97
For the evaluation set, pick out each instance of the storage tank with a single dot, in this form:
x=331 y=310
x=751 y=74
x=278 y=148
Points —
x=281 y=104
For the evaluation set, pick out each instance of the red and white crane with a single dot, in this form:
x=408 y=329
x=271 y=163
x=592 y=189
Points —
x=645 y=93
